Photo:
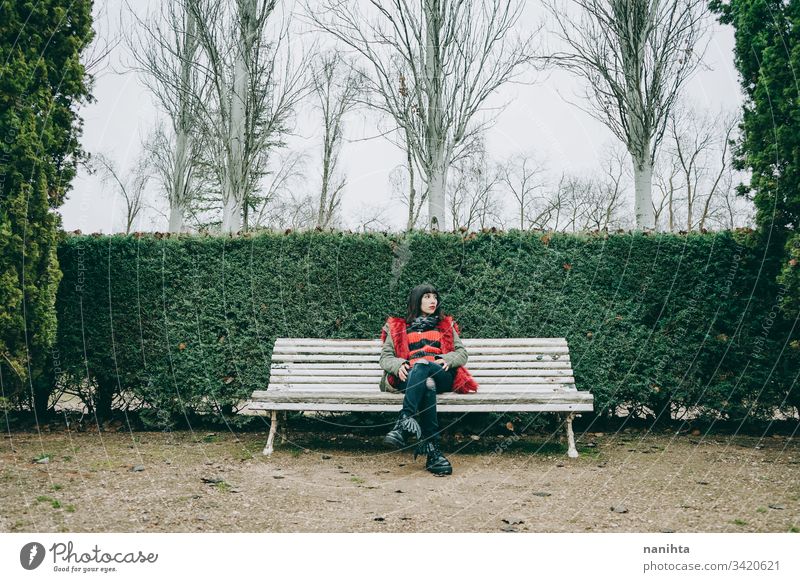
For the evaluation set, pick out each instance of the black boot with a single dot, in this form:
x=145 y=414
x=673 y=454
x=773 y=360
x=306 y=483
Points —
x=436 y=463
x=404 y=426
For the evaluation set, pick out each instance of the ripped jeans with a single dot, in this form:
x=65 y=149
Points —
x=420 y=400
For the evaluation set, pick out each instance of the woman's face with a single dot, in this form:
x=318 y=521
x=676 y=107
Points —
x=428 y=303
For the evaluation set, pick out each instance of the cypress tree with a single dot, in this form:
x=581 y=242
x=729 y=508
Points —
x=42 y=81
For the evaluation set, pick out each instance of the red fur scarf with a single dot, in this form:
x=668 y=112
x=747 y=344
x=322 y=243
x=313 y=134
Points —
x=463 y=382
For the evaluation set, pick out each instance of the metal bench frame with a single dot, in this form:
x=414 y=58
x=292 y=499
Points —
x=514 y=375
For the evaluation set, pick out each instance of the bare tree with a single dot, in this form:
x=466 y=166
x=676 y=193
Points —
x=96 y=58
x=698 y=151
x=692 y=138
x=131 y=186
x=575 y=199
x=635 y=56
x=585 y=203
x=726 y=124
x=256 y=88
x=608 y=197
x=473 y=192
x=371 y=218
x=337 y=91
x=402 y=187
x=163 y=46
x=732 y=209
x=525 y=177
x=666 y=172
x=450 y=54
x=286 y=177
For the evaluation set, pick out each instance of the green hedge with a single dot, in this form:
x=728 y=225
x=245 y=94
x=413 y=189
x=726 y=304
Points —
x=656 y=324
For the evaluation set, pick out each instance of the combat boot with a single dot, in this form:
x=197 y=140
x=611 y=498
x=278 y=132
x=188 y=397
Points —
x=436 y=462
x=404 y=427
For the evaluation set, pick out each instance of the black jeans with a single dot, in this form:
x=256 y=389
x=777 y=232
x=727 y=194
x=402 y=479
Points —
x=420 y=400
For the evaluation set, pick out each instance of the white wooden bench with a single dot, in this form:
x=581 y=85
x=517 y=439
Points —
x=514 y=375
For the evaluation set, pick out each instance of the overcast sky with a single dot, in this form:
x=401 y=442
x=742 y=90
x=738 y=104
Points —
x=538 y=120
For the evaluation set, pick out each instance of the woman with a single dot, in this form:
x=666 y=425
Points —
x=422 y=355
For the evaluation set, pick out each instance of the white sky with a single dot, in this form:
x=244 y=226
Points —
x=536 y=120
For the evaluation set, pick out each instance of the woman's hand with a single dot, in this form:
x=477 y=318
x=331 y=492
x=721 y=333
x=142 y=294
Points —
x=443 y=363
x=403 y=373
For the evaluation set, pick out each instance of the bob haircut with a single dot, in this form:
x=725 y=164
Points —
x=415 y=299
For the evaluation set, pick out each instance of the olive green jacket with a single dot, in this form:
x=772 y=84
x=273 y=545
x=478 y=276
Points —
x=391 y=363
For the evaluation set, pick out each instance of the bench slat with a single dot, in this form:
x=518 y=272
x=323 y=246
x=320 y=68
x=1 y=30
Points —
x=377 y=373
x=374 y=380
x=376 y=343
x=540 y=366
x=512 y=391
x=376 y=357
x=508 y=395
x=269 y=397
x=540 y=376
x=460 y=408
x=303 y=387
x=358 y=350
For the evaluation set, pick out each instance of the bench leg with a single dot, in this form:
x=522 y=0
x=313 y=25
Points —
x=283 y=426
x=572 y=451
x=273 y=426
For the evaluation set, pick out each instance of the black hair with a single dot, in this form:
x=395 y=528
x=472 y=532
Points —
x=415 y=299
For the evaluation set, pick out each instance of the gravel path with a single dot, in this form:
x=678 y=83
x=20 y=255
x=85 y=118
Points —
x=187 y=481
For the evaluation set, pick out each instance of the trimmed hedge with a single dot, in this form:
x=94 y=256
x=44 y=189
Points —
x=657 y=324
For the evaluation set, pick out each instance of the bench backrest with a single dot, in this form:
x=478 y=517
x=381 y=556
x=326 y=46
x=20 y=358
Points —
x=498 y=365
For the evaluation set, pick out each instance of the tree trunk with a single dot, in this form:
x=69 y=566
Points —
x=181 y=163
x=322 y=216
x=643 y=185
x=412 y=192
x=234 y=194
x=175 y=218
x=671 y=208
x=436 y=190
x=437 y=169
x=231 y=214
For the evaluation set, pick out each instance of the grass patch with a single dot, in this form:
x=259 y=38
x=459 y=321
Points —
x=794 y=529
x=57 y=487
x=739 y=522
x=211 y=438
x=761 y=510
x=42 y=457
x=358 y=480
x=55 y=503
x=223 y=486
x=69 y=508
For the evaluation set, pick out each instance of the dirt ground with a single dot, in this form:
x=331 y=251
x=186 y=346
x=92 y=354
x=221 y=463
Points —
x=631 y=481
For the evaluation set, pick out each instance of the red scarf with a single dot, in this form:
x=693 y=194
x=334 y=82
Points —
x=463 y=382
